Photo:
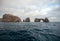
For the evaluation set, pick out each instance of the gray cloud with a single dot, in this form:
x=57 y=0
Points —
x=31 y=8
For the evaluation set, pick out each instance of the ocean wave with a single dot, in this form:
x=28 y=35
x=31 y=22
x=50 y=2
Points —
x=29 y=32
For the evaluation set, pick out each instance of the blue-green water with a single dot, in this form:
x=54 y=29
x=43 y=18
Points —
x=30 y=31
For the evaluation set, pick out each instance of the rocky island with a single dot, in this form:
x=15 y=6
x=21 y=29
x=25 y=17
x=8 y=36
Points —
x=39 y=20
x=12 y=18
x=27 y=20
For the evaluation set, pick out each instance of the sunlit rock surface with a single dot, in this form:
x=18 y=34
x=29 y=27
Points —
x=10 y=18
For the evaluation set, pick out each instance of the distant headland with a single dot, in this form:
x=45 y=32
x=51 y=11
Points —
x=12 y=18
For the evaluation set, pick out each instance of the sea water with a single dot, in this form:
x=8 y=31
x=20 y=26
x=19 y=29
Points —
x=30 y=31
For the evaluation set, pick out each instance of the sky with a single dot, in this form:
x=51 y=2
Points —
x=32 y=9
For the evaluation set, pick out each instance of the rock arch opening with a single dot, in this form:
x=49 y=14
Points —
x=41 y=20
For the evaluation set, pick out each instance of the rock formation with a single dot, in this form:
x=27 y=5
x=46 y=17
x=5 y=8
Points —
x=26 y=20
x=42 y=20
x=10 y=18
x=37 y=20
x=46 y=20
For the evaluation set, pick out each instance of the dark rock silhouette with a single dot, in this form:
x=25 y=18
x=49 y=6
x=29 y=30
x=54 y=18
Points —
x=42 y=20
x=10 y=18
x=26 y=20
x=46 y=20
x=39 y=20
x=23 y=20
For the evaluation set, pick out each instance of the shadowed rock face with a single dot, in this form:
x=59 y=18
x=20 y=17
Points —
x=10 y=18
x=46 y=20
x=26 y=20
x=38 y=20
x=23 y=20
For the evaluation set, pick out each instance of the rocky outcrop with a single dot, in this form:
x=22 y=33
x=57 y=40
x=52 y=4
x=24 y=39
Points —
x=26 y=20
x=42 y=20
x=10 y=18
x=37 y=20
x=46 y=20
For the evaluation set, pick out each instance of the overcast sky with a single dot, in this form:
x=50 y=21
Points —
x=32 y=9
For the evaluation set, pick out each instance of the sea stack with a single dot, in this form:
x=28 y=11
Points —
x=46 y=20
x=10 y=18
x=37 y=20
x=27 y=20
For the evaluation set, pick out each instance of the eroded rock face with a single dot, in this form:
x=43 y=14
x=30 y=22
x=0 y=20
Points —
x=37 y=20
x=26 y=20
x=46 y=20
x=10 y=18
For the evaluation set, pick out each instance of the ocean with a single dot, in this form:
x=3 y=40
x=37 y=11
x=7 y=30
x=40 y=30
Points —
x=30 y=31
